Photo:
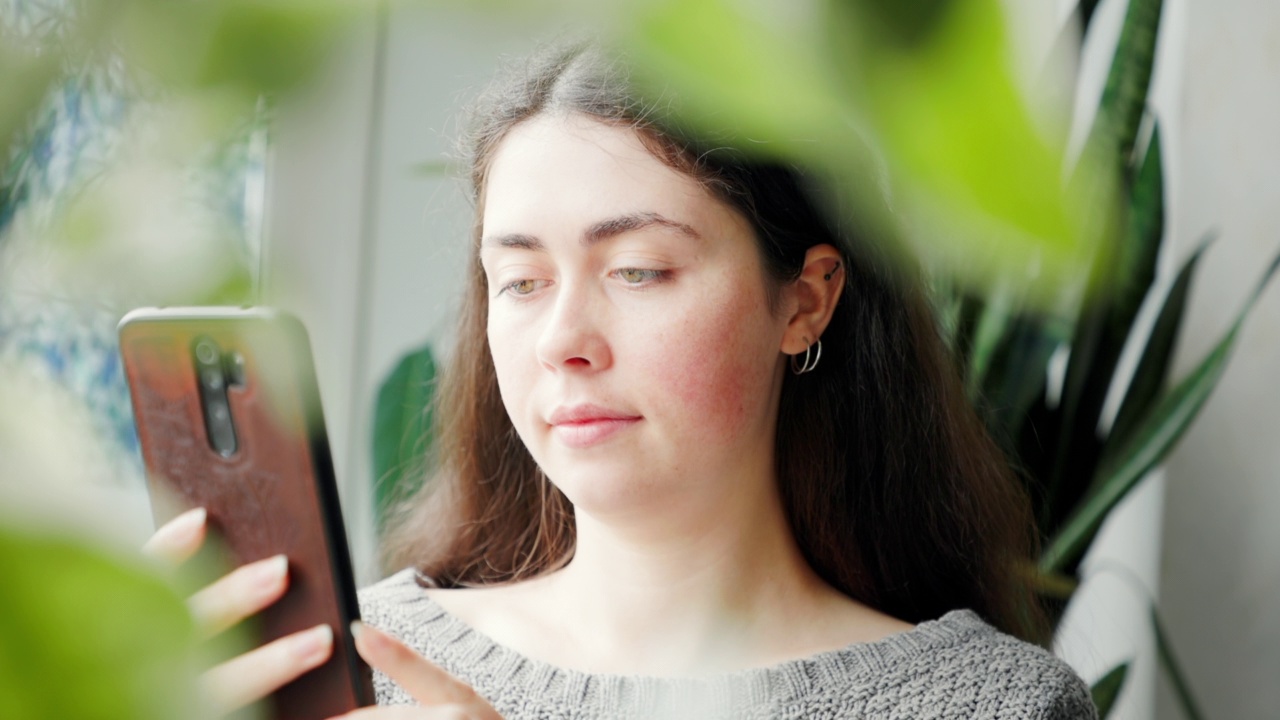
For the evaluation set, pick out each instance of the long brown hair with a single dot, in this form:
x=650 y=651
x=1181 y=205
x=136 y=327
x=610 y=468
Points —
x=896 y=494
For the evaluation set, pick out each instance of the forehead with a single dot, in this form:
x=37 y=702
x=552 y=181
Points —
x=564 y=172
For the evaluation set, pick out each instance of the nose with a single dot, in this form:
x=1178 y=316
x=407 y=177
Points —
x=571 y=338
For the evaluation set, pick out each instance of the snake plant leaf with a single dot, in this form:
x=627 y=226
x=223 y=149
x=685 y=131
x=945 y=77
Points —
x=1169 y=662
x=1122 y=272
x=84 y=634
x=1115 y=127
x=1152 y=440
x=402 y=429
x=990 y=329
x=1107 y=689
x=1076 y=443
x=1153 y=367
x=1135 y=269
x=1018 y=373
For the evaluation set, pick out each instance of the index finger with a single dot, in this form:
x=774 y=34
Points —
x=422 y=679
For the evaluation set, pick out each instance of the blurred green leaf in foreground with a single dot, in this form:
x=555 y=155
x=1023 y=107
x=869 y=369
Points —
x=84 y=635
x=913 y=103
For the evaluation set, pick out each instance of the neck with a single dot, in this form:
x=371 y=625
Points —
x=683 y=593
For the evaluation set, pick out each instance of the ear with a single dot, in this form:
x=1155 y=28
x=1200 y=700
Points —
x=816 y=293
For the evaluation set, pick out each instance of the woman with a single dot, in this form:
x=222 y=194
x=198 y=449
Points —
x=701 y=455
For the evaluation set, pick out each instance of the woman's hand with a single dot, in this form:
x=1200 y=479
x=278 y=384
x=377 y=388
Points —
x=243 y=592
x=441 y=695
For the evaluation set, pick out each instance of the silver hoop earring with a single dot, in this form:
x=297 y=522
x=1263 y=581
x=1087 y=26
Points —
x=811 y=358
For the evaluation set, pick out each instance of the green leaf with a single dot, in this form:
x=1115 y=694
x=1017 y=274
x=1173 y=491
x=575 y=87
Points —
x=1153 y=439
x=1107 y=689
x=250 y=46
x=1124 y=96
x=1073 y=448
x=758 y=87
x=1146 y=220
x=1053 y=585
x=971 y=168
x=84 y=635
x=1019 y=371
x=1125 y=266
x=1173 y=668
x=1091 y=374
x=976 y=185
x=992 y=327
x=1151 y=374
x=402 y=429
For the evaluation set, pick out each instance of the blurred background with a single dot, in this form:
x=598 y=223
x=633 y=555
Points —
x=300 y=155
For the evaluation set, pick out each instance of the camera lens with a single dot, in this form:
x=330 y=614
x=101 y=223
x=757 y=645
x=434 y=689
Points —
x=206 y=352
x=212 y=379
x=218 y=412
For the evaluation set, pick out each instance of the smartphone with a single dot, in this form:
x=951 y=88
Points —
x=228 y=415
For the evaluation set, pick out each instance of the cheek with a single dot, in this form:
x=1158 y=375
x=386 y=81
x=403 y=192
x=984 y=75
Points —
x=508 y=347
x=719 y=365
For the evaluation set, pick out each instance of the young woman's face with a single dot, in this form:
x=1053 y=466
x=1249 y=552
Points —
x=635 y=347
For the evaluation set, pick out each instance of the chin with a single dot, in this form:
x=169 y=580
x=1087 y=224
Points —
x=603 y=492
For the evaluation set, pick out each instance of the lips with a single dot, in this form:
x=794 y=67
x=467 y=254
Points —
x=581 y=426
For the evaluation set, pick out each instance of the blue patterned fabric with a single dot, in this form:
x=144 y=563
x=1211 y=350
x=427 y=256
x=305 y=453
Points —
x=73 y=138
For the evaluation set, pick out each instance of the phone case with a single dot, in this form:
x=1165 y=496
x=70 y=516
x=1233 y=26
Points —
x=269 y=488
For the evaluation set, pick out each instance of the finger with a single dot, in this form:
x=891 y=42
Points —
x=239 y=594
x=426 y=682
x=254 y=675
x=179 y=538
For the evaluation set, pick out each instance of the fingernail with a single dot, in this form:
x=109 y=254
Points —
x=370 y=636
x=270 y=572
x=314 y=645
x=185 y=525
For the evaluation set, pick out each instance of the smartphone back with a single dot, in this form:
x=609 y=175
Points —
x=229 y=419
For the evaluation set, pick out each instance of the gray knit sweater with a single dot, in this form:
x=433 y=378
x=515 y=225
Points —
x=954 y=667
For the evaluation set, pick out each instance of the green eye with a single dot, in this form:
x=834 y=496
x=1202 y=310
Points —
x=635 y=276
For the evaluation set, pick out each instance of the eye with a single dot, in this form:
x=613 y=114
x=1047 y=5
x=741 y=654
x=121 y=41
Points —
x=638 y=276
x=521 y=287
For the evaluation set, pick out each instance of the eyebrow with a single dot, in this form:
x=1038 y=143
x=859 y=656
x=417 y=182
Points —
x=599 y=231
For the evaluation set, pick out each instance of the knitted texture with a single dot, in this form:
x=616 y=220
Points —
x=954 y=667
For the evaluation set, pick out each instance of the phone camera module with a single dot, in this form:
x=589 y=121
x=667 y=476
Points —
x=212 y=383
x=218 y=412
x=212 y=379
x=207 y=352
x=234 y=368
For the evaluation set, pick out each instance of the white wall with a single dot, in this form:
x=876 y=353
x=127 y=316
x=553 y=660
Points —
x=1221 y=563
